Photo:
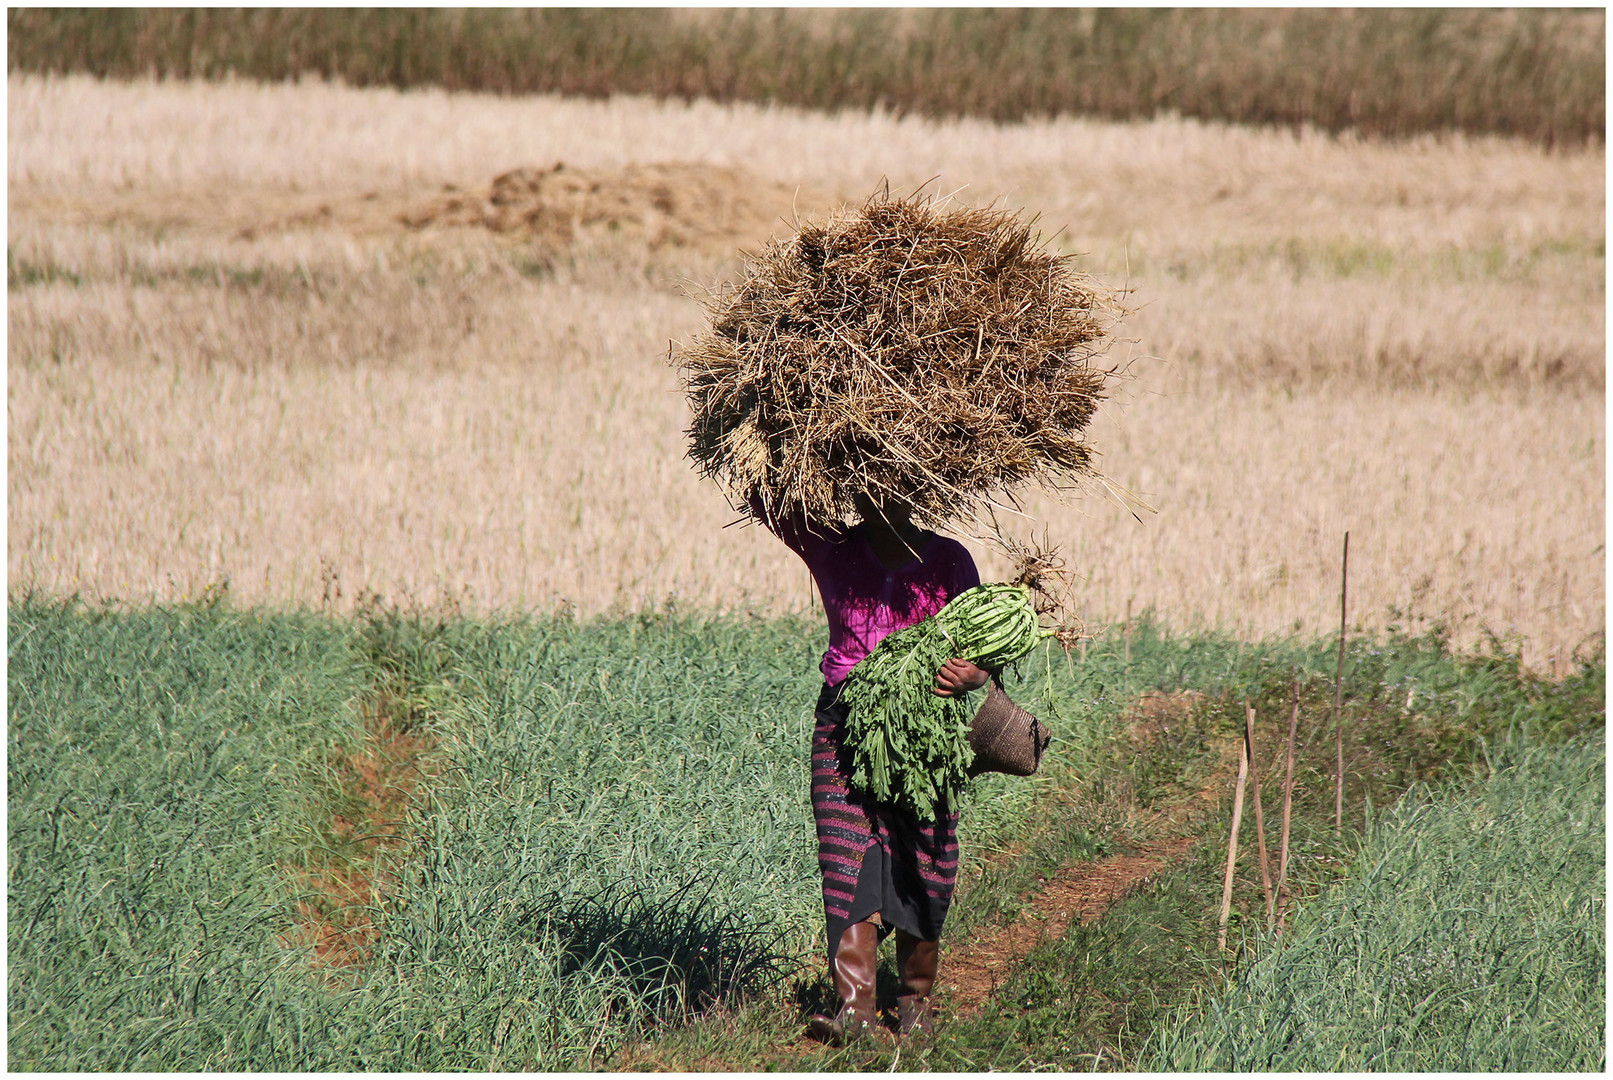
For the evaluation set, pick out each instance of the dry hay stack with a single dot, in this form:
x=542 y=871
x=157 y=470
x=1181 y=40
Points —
x=904 y=350
x=665 y=204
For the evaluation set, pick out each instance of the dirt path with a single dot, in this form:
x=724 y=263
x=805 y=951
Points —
x=976 y=964
x=971 y=972
x=974 y=967
x=378 y=778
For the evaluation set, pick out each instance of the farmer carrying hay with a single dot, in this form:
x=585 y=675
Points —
x=897 y=369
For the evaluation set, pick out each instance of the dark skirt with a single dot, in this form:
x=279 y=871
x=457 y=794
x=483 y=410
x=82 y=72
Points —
x=875 y=857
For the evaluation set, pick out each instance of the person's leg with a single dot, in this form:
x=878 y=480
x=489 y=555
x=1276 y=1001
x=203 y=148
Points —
x=917 y=961
x=850 y=861
x=924 y=873
x=852 y=969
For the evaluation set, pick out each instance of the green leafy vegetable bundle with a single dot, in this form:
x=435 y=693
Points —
x=910 y=745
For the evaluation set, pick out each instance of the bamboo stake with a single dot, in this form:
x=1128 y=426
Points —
x=1288 y=807
x=1260 y=819
x=1232 y=844
x=1338 y=686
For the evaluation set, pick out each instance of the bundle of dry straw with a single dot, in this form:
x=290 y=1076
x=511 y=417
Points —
x=907 y=350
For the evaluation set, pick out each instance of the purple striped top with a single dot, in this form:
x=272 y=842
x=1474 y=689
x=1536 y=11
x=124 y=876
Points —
x=863 y=599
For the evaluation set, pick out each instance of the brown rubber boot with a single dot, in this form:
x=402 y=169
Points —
x=853 y=973
x=916 y=964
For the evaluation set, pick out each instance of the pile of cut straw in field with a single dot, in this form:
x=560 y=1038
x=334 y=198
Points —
x=906 y=350
x=667 y=204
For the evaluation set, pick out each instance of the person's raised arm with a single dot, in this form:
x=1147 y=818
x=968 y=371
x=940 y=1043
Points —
x=793 y=528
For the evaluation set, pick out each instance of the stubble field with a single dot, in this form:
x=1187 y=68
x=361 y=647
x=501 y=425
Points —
x=229 y=361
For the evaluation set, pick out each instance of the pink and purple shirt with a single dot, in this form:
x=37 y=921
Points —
x=863 y=599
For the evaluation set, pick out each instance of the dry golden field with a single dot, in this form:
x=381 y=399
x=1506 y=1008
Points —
x=229 y=360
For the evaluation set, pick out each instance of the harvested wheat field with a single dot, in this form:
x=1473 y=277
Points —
x=323 y=343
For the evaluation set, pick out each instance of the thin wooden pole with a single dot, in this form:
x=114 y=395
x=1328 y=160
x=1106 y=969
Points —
x=1232 y=844
x=1338 y=689
x=1260 y=819
x=1288 y=809
x=1128 y=634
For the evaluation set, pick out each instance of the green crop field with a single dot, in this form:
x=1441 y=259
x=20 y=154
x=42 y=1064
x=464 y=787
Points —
x=622 y=827
x=1470 y=935
x=613 y=849
x=164 y=770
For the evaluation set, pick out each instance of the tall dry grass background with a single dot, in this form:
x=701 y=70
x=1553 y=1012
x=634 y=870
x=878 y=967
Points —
x=1533 y=73
x=228 y=361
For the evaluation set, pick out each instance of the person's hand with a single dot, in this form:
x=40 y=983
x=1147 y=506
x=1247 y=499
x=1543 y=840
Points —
x=957 y=677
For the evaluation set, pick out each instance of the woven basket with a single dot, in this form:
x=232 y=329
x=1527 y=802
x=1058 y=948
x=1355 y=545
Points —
x=1006 y=738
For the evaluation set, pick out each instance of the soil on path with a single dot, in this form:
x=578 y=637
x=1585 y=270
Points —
x=972 y=972
x=377 y=779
